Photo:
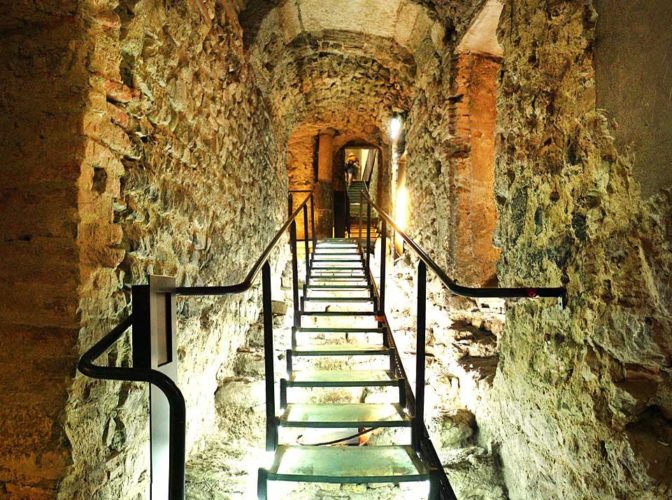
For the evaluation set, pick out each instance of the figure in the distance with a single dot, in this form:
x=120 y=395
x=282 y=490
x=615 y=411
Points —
x=351 y=169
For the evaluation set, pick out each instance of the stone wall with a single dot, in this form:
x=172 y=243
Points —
x=632 y=44
x=41 y=104
x=301 y=169
x=581 y=402
x=450 y=171
x=138 y=143
x=204 y=189
x=430 y=150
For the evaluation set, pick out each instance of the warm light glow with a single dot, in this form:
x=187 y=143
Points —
x=401 y=208
x=395 y=128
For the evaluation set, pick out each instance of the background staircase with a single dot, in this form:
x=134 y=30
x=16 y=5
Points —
x=355 y=196
x=340 y=331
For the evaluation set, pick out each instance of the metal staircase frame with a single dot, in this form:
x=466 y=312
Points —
x=414 y=399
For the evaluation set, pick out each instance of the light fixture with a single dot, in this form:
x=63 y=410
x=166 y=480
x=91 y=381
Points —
x=395 y=127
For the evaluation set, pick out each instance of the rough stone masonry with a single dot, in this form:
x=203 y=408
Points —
x=152 y=136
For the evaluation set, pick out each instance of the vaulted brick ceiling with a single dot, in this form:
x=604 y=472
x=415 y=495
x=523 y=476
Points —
x=346 y=64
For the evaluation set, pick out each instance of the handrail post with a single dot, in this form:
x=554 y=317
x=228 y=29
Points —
x=312 y=218
x=383 y=258
x=269 y=356
x=346 y=201
x=305 y=241
x=361 y=219
x=419 y=418
x=368 y=235
x=295 y=265
x=177 y=451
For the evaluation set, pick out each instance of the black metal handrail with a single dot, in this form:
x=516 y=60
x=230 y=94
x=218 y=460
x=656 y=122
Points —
x=247 y=283
x=173 y=394
x=479 y=292
x=415 y=400
x=177 y=438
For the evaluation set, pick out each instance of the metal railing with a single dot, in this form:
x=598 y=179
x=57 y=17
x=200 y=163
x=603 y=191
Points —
x=415 y=398
x=178 y=411
x=177 y=451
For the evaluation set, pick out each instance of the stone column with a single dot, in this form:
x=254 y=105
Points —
x=324 y=191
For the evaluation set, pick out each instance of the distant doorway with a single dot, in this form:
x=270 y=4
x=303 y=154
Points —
x=359 y=167
x=360 y=163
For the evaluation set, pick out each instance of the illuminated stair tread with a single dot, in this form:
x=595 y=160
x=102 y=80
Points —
x=339 y=350
x=342 y=270
x=355 y=258
x=337 y=287
x=325 y=329
x=342 y=245
x=334 y=266
x=337 y=275
x=334 y=279
x=338 y=313
x=338 y=299
x=334 y=294
x=330 y=253
x=342 y=378
x=344 y=415
x=347 y=464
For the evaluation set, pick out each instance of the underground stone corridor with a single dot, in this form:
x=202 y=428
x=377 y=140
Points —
x=367 y=249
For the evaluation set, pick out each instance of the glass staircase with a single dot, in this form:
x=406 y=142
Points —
x=358 y=205
x=339 y=316
x=340 y=329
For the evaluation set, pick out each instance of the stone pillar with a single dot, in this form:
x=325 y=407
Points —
x=475 y=217
x=324 y=191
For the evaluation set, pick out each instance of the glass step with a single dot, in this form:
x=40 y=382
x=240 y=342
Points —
x=340 y=330
x=353 y=415
x=338 y=299
x=337 y=287
x=337 y=313
x=345 y=320
x=337 y=244
x=340 y=269
x=336 y=277
x=337 y=295
x=340 y=350
x=347 y=464
x=324 y=273
x=341 y=378
x=338 y=264
x=329 y=241
x=357 y=279
x=346 y=257
x=329 y=258
x=337 y=251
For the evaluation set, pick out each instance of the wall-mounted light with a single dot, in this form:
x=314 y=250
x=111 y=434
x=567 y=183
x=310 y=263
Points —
x=395 y=127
